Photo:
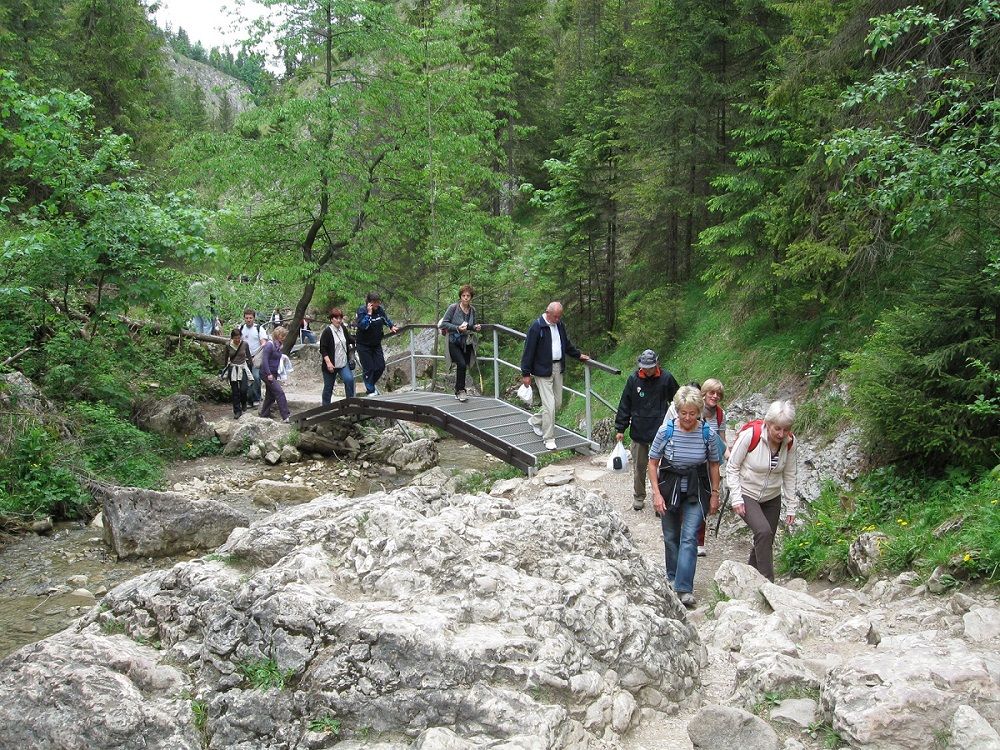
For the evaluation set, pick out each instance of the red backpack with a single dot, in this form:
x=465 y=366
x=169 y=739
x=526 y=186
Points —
x=757 y=425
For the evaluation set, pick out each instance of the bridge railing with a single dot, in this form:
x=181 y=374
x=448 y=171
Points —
x=589 y=395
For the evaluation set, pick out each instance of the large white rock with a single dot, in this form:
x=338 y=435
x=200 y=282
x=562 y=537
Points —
x=907 y=689
x=532 y=623
x=772 y=673
x=723 y=728
x=982 y=624
x=144 y=523
x=739 y=581
x=89 y=690
x=269 y=492
x=970 y=731
x=781 y=599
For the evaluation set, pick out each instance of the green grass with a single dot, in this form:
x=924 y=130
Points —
x=327 y=724
x=715 y=596
x=264 y=674
x=952 y=522
x=199 y=709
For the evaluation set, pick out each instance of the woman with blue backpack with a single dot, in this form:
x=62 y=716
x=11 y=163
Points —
x=684 y=472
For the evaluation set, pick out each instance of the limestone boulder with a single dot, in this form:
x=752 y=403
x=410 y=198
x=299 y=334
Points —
x=145 y=523
x=865 y=552
x=908 y=689
x=419 y=455
x=739 y=581
x=524 y=623
x=970 y=731
x=90 y=690
x=178 y=417
x=253 y=430
x=723 y=728
x=772 y=673
x=982 y=624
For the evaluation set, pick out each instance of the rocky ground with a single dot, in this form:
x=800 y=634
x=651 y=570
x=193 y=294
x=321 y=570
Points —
x=531 y=616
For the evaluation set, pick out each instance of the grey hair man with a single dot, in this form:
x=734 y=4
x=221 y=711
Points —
x=544 y=359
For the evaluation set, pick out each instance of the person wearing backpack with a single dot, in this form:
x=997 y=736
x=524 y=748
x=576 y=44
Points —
x=255 y=337
x=641 y=408
x=372 y=321
x=762 y=469
x=683 y=469
x=459 y=322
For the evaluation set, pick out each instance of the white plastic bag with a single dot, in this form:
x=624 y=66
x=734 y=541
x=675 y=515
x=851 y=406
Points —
x=525 y=394
x=618 y=460
x=285 y=367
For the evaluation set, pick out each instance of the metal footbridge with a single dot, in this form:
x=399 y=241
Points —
x=491 y=424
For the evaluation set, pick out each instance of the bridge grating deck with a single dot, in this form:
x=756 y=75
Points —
x=495 y=426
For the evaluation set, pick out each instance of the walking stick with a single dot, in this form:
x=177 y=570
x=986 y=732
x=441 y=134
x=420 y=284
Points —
x=723 y=504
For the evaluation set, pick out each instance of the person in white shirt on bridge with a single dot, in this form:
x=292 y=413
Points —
x=544 y=358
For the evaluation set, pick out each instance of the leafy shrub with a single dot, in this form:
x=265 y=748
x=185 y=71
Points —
x=117 y=450
x=264 y=674
x=953 y=522
x=36 y=476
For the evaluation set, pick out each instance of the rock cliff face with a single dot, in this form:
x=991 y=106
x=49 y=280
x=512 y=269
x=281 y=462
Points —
x=215 y=84
x=411 y=617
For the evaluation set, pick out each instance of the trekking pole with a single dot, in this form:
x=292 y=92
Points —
x=723 y=504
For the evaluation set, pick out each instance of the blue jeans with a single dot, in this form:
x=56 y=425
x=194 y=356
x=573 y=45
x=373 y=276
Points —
x=680 y=543
x=253 y=392
x=330 y=380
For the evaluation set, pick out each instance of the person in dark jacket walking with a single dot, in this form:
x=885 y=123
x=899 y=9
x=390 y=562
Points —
x=269 y=365
x=460 y=322
x=544 y=358
x=644 y=402
x=372 y=322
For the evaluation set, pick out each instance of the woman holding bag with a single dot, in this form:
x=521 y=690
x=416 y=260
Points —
x=460 y=321
x=336 y=351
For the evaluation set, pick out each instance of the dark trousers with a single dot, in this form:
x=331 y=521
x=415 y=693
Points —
x=372 y=364
x=239 y=389
x=253 y=392
x=274 y=393
x=763 y=519
x=461 y=356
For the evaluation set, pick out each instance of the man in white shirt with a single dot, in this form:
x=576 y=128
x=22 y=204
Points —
x=544 y=358
x=255 y=337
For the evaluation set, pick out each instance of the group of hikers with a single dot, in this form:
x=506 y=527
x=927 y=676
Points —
x=680 y=443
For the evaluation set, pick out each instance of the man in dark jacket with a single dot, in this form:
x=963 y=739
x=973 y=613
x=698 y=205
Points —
x=372 y=321
x=643 y=404
x=544 y=357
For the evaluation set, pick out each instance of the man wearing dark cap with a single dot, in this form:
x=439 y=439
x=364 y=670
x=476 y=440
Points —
x=643 y=404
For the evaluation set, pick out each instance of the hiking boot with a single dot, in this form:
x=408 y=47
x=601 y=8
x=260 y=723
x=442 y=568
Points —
x=638 y=503
x=688 y=600
x=462 y=396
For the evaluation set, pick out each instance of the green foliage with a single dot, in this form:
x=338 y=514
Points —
x=264 y=674
x=199 y=710
x=927 y=523
x=715 y=596
x=327 y=724
x=115 y=449
x=36 y=474
x=199 y=447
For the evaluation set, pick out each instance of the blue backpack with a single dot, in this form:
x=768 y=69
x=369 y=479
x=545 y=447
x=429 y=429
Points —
x=706 y=433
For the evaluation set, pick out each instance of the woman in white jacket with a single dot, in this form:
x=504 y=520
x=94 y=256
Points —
x=761 y=469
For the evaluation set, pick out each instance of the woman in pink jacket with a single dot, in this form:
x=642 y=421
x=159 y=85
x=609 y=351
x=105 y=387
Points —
x=761 y=470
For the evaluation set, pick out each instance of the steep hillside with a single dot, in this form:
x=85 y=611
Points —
x=215 y=85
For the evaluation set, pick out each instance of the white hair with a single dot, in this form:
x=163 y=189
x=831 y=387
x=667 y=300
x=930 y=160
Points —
x=780 y=414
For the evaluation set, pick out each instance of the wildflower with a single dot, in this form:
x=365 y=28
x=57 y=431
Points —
x=966 y=557
x=902 y=522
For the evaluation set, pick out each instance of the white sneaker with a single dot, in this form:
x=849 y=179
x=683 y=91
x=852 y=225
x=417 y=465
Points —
x=701 y=551
x=534 y=427
x=462 y=396
x=550 y=445
x=688 y=600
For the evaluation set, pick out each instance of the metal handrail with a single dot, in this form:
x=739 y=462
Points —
x=496 y=329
